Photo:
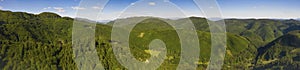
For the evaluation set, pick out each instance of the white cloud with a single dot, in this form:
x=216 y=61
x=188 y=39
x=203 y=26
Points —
x=152 y=3
x=47 y=8
x=59 y=9
x=78 y=8
x=96 y=7
x=1 y=7
x=1 y=0
x=132 y=4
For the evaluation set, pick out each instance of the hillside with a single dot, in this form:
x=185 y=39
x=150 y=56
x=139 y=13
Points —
x=282 y=53
x=44 y=41
x=261 y=31
x=258 y=31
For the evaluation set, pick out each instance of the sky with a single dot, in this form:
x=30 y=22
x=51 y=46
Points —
x=280 y=9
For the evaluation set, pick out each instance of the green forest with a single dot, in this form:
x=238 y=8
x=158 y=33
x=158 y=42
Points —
x=44 y=42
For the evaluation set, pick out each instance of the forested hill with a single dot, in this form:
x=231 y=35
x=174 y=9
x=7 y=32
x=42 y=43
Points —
x=282 y=53
x=31 y=41
x=44 y=41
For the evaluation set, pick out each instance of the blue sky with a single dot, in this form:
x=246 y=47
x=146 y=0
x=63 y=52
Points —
x=229 y=8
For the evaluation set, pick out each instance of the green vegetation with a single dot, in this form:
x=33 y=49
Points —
x=44 y=42
x=282 y=53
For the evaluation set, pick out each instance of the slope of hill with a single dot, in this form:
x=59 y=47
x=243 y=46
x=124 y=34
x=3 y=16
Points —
x=43 y=41
x=261 y=31
x=282 y=53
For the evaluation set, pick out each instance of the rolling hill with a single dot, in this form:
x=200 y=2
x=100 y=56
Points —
x=44 y=41
x=282 y=53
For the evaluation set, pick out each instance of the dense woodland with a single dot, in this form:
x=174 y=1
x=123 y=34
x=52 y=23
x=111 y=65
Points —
x=44 y=42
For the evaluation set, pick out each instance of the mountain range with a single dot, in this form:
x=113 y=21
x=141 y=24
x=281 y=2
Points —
x=44 y=41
